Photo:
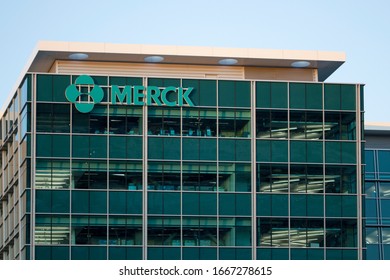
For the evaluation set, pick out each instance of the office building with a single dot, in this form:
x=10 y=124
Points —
x=158 y=152
x=377 y=190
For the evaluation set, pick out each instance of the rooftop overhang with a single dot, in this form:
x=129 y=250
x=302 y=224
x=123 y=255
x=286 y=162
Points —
x=377 y=128
x=47 y=53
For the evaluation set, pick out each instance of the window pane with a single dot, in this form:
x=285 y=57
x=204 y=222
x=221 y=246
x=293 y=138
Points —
x=263 y=94
x=332 y=97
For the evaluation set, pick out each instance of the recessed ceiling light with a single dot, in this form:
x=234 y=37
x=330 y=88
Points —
x=153 y=58
x=78 y=56
x=300 y=64
x=228 y=61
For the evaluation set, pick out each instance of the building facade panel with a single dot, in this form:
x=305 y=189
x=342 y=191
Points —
x=154 y=167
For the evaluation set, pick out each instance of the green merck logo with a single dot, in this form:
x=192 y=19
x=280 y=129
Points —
x=84 y=93
x=84 y=101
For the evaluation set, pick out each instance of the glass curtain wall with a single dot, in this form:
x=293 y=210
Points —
x=289 y=149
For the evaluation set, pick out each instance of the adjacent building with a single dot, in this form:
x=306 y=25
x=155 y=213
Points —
x=156 y=152
x=377 y=190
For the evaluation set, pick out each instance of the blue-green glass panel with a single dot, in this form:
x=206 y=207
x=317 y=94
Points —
x=263 y=94
x=348 y=154
x=263 y=150
x=279 y=95
x=279 y=205
x=279 y=151
x=297 y=96
x=348 y=97
x=332 y=152
x=333 y=206
x=314 y=96
x=263 y=205
x=332 y=97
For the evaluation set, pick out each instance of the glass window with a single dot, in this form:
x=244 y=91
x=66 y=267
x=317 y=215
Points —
x=89 y=202
x=234 y=150
x=370 y=189
x=271 y=124
x=125 y=176
x=125 y=230
x=204 y=92
x=279 y=205
x=199 y=177
x=199 y=122
x=278 y=95
x=234 y=177
x=385 y=235
x=125 y=202
x=199 y=231
x=234 y=123
x=370 y=164
x=333 y=152
x=279 y=151
x=234 y=204
x=314 y=96
x=52 y=229
x=164 y=231
x=306 y=125
x=52 y=174
x=89 y=174
x=341 y=233
x=234 y=94
x=348 y=154
x=89 y=230
x=164 y=121
x=340 y=179
x=340 y=126
x=385 y=208
x=384 y=164
x=272 y=232
x=52 y=87
x=164 y=176
x=297 y=95
x=332 y=97
x=348 y=97
x=163 y=203
x=272 y=178
x=384 y=189
x=263 y=150
x=125 y=120
x=372 y=235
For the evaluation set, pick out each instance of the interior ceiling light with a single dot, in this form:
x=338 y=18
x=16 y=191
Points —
x=228 y=61
x=154 y=58
x=300 y=64
x=78 y=56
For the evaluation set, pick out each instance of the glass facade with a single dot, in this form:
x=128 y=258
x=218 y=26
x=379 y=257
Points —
x=255 y=170
x=377 y=203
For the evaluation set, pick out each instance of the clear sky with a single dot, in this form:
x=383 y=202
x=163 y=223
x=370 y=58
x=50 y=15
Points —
x=359 y=28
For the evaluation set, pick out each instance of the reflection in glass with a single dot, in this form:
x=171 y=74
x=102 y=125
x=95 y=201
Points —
x=340 y=179
x=200 y=177
x=164 y=176
x=234 y=123
x=234 y=177
x=199 y=122
x=89 y=174
x=272 y=178
x=125 y=176
x=306 y=125
x=372 y=235
x=271 y=124
x=384 y=189
x=125 y=230
x=386 y=235
x=370 y=188
x=162 y=121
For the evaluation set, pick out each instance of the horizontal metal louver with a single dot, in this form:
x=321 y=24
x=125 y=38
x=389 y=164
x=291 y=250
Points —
x=149 y=70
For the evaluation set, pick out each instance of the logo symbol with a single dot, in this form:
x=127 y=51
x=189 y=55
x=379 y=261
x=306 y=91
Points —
x=84 y=94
